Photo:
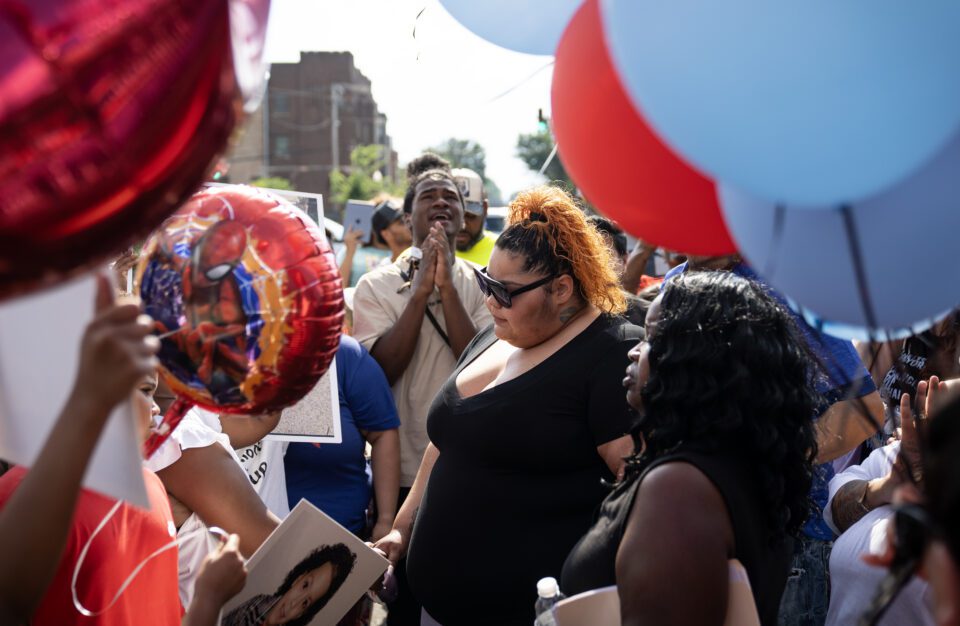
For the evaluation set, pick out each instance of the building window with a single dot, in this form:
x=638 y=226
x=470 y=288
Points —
x=281 y=146
x=281 y=103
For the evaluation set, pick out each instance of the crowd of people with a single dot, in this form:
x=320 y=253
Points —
x=515 y=406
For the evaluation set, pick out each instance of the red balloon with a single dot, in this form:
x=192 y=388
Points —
x=247 y=299
x=615 y=158
x=111 y=113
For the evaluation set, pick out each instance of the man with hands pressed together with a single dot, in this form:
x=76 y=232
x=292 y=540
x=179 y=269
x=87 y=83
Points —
x=417 y=316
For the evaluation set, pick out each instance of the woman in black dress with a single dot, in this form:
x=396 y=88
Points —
x=723 y=460
x=526 y=428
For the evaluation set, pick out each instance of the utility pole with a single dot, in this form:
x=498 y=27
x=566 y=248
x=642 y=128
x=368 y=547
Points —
x=336 y=93
x=336 y=99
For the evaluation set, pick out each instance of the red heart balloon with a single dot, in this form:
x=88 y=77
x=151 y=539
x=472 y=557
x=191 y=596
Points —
x=616 y=159
x=111 y=112
x=247 y=299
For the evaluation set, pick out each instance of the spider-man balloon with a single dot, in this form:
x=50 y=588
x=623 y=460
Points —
x=111 y=114
x=246 y=296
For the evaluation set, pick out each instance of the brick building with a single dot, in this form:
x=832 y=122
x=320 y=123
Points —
x=314 y=113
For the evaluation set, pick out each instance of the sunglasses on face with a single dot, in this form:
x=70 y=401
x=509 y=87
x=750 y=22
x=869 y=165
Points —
x=499 y=291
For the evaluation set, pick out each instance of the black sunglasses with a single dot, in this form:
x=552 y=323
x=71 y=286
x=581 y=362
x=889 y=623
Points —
x=499 y=291
x=913 y=530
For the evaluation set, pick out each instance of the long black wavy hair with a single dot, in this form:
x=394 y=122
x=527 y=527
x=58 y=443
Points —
x=729 y=371
x=342 y=559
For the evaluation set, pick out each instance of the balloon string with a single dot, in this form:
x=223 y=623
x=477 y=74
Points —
x=521 y=83
x=416 y=20
x=858 y=266
x=136 y=571
x=779 y=221
x=549 y=160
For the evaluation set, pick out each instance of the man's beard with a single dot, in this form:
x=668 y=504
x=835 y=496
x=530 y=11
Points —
x=473 y=241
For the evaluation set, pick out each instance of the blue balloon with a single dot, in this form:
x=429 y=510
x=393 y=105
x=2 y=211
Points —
x=887 y=265
x=810 y=102
x=530 y=26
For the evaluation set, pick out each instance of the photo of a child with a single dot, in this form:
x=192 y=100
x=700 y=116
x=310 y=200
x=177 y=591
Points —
x=306 y=589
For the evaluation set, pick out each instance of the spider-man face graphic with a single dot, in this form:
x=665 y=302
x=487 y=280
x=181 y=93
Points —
x=204 y=286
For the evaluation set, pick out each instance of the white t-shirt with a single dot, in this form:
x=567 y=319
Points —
x=853 y=583
x=199 y=429
x=263 y=463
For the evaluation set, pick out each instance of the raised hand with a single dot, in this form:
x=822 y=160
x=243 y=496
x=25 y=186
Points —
x=424 y=279
x=352 y=239
x=444 y=259
x=116 y=353
x=906 y=468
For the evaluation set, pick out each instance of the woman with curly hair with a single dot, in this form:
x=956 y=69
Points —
x=306 y=589
x=723 y=458
x=527 y=426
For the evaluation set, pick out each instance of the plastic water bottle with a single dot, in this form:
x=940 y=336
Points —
x=548 y=594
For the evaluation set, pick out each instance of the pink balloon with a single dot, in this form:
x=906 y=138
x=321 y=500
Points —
x=111 y=113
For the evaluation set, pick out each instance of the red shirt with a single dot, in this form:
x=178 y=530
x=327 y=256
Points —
x=131 y=535
x=647 y=281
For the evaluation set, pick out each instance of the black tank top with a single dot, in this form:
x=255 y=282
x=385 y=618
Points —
x=591 y=563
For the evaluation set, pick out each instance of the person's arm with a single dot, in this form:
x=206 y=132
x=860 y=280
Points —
x=246 y=430
x=394 y=543
x=878 y=357
x=686 y=516
x=222 y=576
x=614 y=452
x=385 y=461
x=608 y=415
x=636 y=264
x=210 y=482
x=351 y=241
x=394 y=349
x=857 y=498
x=847 y=424
x=117 y=351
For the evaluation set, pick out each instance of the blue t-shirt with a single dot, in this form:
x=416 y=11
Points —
x=334 y=477
x=844 y=373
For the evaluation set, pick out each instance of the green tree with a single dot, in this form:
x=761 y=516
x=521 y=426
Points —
x=471 y=155
x=534 y=149
x=463 y=153
x=273 y=182
x=364 y=180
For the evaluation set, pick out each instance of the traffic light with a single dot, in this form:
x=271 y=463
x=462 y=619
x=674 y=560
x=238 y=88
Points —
x=542 y=122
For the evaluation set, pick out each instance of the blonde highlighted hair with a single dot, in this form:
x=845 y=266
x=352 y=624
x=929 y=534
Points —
x=548 y=227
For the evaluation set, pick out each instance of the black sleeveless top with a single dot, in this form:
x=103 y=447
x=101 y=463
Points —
x=591 y=563
x=518 y=478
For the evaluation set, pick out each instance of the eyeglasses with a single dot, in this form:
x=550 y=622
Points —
x=499 y=291
x=913 y=530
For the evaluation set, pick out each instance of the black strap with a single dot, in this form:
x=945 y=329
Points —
x=437 y=325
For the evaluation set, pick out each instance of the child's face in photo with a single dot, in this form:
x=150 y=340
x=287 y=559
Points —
x=306 y=590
